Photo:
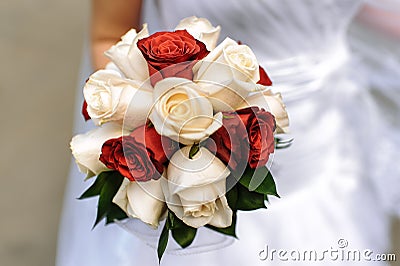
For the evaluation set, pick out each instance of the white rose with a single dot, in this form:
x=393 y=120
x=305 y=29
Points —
x=181 y=113
x=86 y=148
x=195 y=189
x=142 y=200
x=271 y=102
x=108 y=96
x=128 y=57
x=201 y=29
x=227 y=74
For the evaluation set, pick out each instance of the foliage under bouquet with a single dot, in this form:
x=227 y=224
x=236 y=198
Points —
x=185 y=129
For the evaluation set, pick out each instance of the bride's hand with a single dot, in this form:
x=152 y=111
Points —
x=110 y=20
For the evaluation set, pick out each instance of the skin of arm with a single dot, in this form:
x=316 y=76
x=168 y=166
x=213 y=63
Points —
x=109 y=21
x=382 y=17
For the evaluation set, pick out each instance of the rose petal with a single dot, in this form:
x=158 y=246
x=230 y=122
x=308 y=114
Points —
x=201 y=29
x=128 y=58
x=223 y=216
x=86 y=148
x=270 y=102
x=144 y=200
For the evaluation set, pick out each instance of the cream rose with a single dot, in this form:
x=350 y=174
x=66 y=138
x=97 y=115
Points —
x=181 y=113
x=272 y=102
x=127 y=56
x=108 y=96
x=195 y=189
x=142 y=200
x=86 y=148
x=227 y=74
x=201 y=29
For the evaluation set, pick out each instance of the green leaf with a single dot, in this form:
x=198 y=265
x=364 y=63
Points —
x=110 y=188
x=184 y=236
x=228 y=116
x=259 y=180
x=232 y=197
x=162 y=241
x=240 y=198
x=181 y=232
x=173 y=221
x=115 y=213
x=230 y=230
x=248 y=200
x=194 y=150
x=266 y=198
x=281 y=143
x=95 y=189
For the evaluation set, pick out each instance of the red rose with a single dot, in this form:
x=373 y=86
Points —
x=245 y=137
x=264 y=79
x=85 y=113
x=139 y=156
x=231 y=142
x=260 y=126
x=171 y=54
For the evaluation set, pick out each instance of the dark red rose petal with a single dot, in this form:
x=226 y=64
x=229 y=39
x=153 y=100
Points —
x=245 y=137
x=264 y=79
x=171 y=54
x=85 y=113
x=140 y=156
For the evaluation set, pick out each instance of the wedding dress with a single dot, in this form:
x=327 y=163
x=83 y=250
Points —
x=328 y=179
x=377 y=53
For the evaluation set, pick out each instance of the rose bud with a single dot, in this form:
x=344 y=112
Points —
x=195 y=189
x=142 y=200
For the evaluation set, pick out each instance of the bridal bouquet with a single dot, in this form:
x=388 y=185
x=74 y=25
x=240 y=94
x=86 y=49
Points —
x=185 y=129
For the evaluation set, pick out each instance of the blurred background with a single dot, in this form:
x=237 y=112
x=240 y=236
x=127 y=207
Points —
x=40 y=51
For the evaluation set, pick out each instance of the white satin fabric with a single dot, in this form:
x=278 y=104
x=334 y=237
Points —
x=376 y=48
x=328 y=179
